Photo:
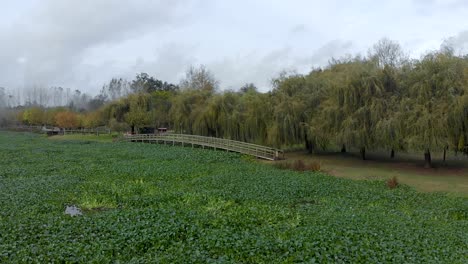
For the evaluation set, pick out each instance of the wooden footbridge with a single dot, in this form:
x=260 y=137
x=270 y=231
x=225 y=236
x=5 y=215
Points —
x=210 y=142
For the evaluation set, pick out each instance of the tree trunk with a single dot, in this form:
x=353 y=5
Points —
x=427 y=159
x=309 y=146
x=133 y=129
x=343 y=149
x=445 y=153
x=392 y=154
x=363 y=153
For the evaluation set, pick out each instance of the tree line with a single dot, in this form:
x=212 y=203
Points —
x=382 y=101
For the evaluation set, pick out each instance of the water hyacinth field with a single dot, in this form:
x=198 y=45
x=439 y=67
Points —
x=142 y=203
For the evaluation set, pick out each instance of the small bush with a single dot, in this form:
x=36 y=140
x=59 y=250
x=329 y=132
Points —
x=392 y=183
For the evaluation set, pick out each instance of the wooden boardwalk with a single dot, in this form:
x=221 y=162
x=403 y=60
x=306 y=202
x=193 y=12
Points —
x=210 y=142
x=85 y=131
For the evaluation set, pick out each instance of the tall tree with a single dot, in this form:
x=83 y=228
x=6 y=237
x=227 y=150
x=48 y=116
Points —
x=145 y=83
x=67 y=120
x=139 y=114
x=388 y=53
x=199 y=78
x=435 y=84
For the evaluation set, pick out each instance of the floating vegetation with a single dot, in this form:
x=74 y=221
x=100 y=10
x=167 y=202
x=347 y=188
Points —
x=145 y=203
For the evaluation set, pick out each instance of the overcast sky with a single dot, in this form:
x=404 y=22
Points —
x=82 y=44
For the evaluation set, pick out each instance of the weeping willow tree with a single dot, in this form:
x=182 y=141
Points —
x=457 y=121
x=390 y=130
x=354 y=104
x=316 y=132
x=161 y=105
x=435 y=86
x=186 y=109
x=457 y=125
x=229 y=117
x=390 y=127
x=218 y=117
x=255 y=116
x=289 y=111
x=139 y=114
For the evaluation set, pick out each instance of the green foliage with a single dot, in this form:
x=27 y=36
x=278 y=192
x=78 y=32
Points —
x=382 y=101
x=148 y=84
x=34 y=116
x=154 y=203
x=139 y=114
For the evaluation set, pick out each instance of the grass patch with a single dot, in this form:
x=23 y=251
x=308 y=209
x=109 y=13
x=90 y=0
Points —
x=148 y=203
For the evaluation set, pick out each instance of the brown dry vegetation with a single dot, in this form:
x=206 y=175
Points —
x=298 y=165
x=392 y=183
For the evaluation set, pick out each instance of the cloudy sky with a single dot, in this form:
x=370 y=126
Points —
x=81 y=44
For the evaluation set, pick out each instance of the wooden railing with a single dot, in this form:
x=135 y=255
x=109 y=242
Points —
x=211 y=142
x=85 y=131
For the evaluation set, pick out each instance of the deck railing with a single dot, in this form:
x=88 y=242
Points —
x=211 y=142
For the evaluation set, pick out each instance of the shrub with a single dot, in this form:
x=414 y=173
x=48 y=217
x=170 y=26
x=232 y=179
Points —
x=392 y=183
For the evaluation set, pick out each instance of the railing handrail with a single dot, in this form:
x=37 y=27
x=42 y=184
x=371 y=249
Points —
x=227 y=144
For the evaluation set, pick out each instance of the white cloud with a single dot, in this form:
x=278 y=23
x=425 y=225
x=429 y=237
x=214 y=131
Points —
x=83 y=43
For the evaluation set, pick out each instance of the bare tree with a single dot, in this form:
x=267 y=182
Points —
x=3 y=97
x=199 y=79
x=388 y=53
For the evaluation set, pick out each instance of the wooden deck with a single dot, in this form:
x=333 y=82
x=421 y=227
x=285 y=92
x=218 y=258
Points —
x=210 y=142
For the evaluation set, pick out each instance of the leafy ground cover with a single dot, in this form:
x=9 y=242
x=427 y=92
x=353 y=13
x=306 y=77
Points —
x=153 y=203
x=100 y=138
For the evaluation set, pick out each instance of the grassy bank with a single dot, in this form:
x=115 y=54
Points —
x=451 y=178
